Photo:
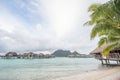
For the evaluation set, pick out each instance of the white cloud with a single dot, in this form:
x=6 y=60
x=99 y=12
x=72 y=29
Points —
x=62 y=27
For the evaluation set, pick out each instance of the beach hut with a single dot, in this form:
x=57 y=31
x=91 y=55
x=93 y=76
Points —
x=74 y=55
x=49 y=56
x=114 y=54
x=41 y=55
x=38 y=55
x=28 y=55
x=11 y=55
x=20 y=56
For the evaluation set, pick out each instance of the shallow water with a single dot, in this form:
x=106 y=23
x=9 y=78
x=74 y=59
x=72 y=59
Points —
x=45 y=69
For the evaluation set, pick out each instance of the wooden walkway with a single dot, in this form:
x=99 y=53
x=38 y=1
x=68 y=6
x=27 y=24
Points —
x=107 y=61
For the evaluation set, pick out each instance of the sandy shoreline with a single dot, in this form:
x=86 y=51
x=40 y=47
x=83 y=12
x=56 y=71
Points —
x=106 y=74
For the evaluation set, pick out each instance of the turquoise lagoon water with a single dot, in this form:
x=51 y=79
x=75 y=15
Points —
x=45 y=69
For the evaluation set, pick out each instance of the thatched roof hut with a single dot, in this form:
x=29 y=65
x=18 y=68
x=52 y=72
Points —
x=30 y=54
x=19 y=56
x=27 y=55
x=41 y=55
x=114 y=55
x=115 y=50
x=49 y=56
x=99 y=51
x=11 y=54
x=74 y=54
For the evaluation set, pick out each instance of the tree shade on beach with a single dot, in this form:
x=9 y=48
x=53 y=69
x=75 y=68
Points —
x=105 y=19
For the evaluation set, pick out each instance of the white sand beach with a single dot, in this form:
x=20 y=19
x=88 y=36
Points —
x=106 y=74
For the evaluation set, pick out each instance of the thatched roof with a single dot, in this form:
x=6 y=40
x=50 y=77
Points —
x=74 y=54
x=99 y=50
x=116 y=50
x=28 y=54
x=11 y=54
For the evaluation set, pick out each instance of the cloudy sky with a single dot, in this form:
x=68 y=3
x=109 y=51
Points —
x=45 y=25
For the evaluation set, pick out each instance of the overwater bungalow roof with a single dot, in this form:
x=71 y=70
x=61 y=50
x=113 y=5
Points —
x=99 y=50
x=115 y=50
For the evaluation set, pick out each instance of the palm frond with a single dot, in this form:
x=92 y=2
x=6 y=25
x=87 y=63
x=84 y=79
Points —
x=105 y=19
x=93 y=7
x=102 y=41
x=109 y=48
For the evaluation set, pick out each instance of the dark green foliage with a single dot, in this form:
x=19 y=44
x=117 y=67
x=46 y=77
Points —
x=106 y=21
x=62 y=53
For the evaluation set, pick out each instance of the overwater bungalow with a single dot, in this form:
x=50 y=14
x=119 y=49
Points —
x=29 y=55
x=74 y=55
x=20 y=56
x=11 y=55
x=49 y=56
x=114 y=55
x=40 y=55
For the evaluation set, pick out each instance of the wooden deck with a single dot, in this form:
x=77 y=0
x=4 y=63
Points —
x=108 y=61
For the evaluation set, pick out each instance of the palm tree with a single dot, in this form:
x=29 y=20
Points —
x=105 y=19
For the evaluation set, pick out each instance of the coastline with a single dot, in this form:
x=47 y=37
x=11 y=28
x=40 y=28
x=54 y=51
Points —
x=105 y=74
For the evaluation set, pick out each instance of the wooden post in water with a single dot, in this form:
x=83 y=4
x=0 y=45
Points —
x=105 y=61
x=102 y=61
x=108 y=61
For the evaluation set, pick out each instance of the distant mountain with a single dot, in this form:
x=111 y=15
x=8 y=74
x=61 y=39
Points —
x=61 y=53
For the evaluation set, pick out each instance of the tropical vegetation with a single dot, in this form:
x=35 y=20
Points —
x=105 y=20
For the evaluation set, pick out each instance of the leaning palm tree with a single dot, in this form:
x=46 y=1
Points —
x=105 y=19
